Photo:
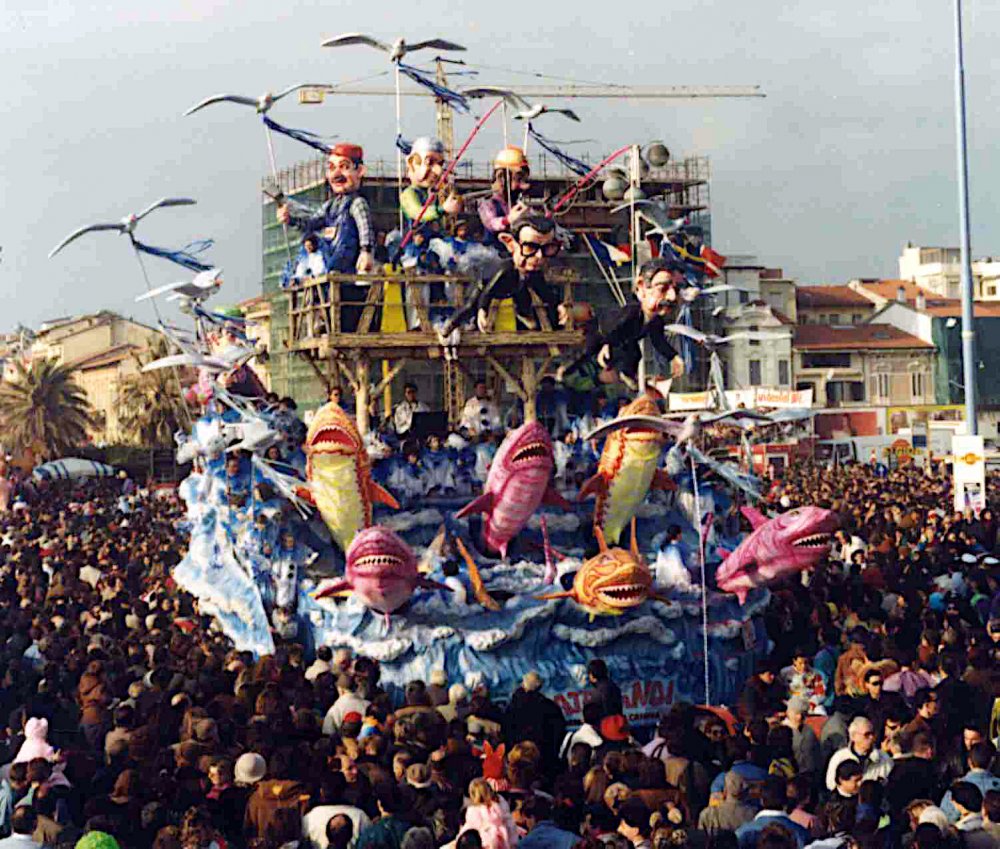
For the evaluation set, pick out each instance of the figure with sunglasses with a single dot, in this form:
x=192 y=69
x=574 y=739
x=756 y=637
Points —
x=345 y=221
x=656 y=290
x=531 y=244
x=510 y=181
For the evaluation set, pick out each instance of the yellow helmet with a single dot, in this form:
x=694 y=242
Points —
x=511 y=158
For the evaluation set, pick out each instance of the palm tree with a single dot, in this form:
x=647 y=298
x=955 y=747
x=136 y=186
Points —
x=42 y=407
x=151 y=408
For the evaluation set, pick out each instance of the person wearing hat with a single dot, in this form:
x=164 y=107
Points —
x=345 y=221
x=511 y=176
x=732 y=811
x=424 y=165
x=657 y=291
x=614 y=735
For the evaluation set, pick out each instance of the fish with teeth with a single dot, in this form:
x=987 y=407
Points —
x=339 y=474
x=784 y=545
x=381 y=572
x=518 y=483
x=611 y=582
x=627 y=471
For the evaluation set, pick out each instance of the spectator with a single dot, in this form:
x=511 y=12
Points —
x=402 y=417
x=876 y=765
x=772 y=812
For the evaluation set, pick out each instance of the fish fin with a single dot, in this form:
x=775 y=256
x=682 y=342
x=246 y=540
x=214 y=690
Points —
x=554 y=498
x=662 y=480
x=305 y=493
x=480 y=504
x=741 y=595
x=479 y=590
x=336 y=588
x=722 y=552
x=601 y=541
x=428 y=584
x=595 y=485
x=382 y=495
x=658 y=597
x=634 y=543
x=754 y=517
x=550 y=596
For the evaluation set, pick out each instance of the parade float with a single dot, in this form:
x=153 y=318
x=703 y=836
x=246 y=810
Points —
x=296 y=533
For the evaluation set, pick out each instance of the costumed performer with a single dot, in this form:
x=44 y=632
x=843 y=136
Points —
x=345 y=220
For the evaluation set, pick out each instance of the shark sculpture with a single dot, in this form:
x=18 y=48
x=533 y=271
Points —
x=776 y=547
x=339 y=474
x=381 y=572
x=519 y=481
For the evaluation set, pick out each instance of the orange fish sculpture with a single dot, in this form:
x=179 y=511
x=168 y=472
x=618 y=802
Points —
x=612 y=581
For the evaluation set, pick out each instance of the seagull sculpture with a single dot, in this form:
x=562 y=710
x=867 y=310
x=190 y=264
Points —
x=126 y=225
x=510 y=98
x=713 y=343
x=262 y=104
x=656 y=214
x=397 y=50
x=203 y=285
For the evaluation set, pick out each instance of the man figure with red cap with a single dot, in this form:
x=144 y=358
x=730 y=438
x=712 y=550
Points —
x=345 y=221
x=510 y=181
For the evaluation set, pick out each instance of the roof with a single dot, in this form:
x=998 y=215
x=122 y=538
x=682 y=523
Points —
x=860 y=337
x=814 y=297
x=953 y=307
x=107 y=357
x=888 y=290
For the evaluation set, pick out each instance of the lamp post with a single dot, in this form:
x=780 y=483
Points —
x=968 y=331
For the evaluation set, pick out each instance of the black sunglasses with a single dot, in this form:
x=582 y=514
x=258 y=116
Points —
x=531 y=248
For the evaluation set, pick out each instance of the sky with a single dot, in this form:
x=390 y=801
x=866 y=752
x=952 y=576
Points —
x=850 y=155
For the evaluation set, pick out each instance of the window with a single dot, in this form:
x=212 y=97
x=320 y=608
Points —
x=784 y=378
x=844 y=391
x=753 y=328
x=918 y=383
x=834 y=318
x=826 y=360
x=755 y=373
x=881 y=386
x=856 y=318
x=808 y=386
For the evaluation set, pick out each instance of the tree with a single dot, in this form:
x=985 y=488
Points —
x=42 y=407
x=151 y=408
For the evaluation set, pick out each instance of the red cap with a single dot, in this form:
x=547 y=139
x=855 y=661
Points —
x=614 y=728
x=354 y=152
x=352 y=716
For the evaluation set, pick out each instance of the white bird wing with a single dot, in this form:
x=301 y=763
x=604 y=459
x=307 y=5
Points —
x=435 y=44
x=719 y=289
x=655 y=213
x=350 y=38
x=196 y=360
x=727 y=472
x=223 y=98
x=690 y=332
x=163 y=203
x=653 y=422
x=752 y=336
x=297 y=87
x=512 y=97
x=76 y=234
x=184 y=287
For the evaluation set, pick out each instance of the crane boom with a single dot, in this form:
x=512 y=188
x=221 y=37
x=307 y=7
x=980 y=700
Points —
x=680 y=92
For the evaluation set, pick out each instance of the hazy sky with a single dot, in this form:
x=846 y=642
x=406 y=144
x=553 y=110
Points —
x=850 y=155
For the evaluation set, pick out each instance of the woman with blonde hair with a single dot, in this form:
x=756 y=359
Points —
x=489 y=814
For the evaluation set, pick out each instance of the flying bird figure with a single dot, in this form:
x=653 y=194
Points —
x=262 y=104
x=203 y=285
x=536 y=109
x=127 y=225
x=510 y=98
x=683 y=428
x=397 y=50
x=713 y=343
x=656 y=214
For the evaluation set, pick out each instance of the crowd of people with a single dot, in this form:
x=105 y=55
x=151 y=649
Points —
x=131 y=722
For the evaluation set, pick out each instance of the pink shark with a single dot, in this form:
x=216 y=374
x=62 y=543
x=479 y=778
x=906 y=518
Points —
x=381 y=571
x=784 y=545
x=519 y=481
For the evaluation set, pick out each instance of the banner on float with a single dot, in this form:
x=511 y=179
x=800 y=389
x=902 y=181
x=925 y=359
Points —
x=644 y=701
x=968 y=466
x=759 y=396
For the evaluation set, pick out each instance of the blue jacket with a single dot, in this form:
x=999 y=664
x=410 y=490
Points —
x=546 y=835
x=748 y=833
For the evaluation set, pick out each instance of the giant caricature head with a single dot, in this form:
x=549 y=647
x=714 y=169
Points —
x=657 y=286
x=425 y=162
x=531 y=242
x=511 y=172
x=345 y=168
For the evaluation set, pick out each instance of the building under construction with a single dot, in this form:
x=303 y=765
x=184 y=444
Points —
x=309 y=354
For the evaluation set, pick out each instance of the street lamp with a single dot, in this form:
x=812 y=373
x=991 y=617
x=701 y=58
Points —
x=968 y=331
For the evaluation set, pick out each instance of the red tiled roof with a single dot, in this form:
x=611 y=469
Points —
x=114 y=354
x=889 y=290
x=817 y=337
x=778 y=314
x=949 y=308
x=813 y=297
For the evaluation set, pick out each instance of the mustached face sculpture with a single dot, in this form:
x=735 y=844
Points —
x=658 y=295
x=344 y=174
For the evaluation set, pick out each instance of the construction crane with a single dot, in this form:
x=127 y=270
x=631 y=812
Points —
x=444 y=124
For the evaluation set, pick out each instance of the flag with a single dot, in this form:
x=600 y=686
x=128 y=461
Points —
x=713 y=260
